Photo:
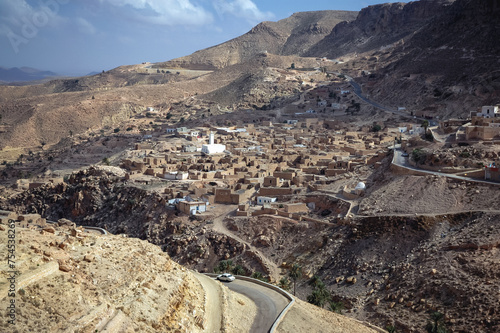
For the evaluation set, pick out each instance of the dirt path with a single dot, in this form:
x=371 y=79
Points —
x=219 y=226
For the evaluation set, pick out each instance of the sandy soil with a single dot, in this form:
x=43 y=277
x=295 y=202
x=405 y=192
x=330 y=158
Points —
x=304 y=317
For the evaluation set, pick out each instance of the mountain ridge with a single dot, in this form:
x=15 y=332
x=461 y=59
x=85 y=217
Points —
x=279 y=37
x=21 y=74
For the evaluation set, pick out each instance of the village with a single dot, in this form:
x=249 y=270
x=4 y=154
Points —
x=266 y=162
x=267 y=165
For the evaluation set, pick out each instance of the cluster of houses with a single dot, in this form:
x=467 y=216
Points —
x=269 y=164
x=484 y=125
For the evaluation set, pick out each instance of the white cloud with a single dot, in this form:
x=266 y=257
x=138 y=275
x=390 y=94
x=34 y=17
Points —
x=245 y=9
x=85 y=26
x=16 y=14
x=20 y=22
x=165 y=12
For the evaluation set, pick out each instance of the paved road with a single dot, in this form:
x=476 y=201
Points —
x=399 y=160
x=269 y=303
x=356 y=88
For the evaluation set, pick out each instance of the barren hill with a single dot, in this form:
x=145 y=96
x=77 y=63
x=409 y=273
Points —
x=435 y=53
x=71 y=280
x=75 y=281
x=377 y=26
x=452 y=62
x=290 y=36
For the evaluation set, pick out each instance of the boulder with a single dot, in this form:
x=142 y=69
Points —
x=352 y=280
x=89 y=258
x=49 y=229
x=65 y=267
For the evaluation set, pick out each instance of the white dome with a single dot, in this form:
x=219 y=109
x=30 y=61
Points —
x=360 y=186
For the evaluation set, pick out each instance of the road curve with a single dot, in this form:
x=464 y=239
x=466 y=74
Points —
x=358 y=91
x=401 y=161
x=269 y=267
x=269 y=303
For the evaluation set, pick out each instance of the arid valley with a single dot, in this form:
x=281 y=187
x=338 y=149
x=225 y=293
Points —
x=342 y=165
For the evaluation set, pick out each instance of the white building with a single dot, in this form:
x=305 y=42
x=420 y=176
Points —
x=360 y=188
x=176 y=175
x=193 y=207
x=489 y=112
x=263 y=200
x=212 y=148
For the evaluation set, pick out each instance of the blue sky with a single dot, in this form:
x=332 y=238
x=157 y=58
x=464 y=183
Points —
x=76 y=37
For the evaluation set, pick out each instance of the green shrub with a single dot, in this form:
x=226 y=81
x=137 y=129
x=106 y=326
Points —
x=465 y=154
x=419 y=155
x=238 y=270
x=336 y=307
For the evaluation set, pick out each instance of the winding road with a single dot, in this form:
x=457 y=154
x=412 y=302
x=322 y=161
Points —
x=358 y=91
x=269 y=303
x=218 y=226
x=401 y=161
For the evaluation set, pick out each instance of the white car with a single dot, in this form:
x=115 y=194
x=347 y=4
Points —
x=225 y=277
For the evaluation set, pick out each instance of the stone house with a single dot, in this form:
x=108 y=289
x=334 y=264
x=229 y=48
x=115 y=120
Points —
x=192 y=207
x=262 y=200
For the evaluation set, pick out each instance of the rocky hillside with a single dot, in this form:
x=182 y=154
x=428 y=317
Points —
x=449 y=63
x=330 y=34
x=34 y=115
x=91 y=197
x=427 y=53
x=72 y=280
x=427 y=253
x=378 y=26
x=440 y=54
x=290 y=36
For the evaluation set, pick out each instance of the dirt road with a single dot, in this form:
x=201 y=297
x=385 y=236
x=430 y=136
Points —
x=220 y=227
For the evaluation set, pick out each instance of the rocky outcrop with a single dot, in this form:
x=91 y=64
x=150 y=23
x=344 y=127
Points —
x=93 y=197
x=132 y=286
x=377 y=26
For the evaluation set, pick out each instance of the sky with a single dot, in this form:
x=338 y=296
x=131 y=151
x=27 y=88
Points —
x=76 y=37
